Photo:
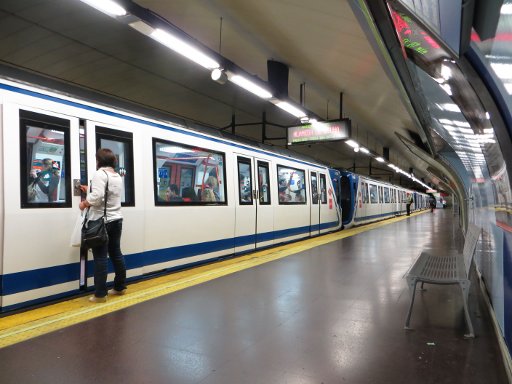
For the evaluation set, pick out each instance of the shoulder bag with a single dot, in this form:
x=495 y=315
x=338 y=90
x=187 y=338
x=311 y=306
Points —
x=94 y=232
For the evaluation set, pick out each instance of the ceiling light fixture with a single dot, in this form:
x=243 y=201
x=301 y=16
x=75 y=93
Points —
x=184 y=49
x=285 y=106
x=219 y=76
x=250 y=86
x=379 y=159
x=109 y=7
x=352 y=143
x=364 y=150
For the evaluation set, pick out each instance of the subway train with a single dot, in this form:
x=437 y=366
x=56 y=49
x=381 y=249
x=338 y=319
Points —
x=364 y=200
x=189 y=197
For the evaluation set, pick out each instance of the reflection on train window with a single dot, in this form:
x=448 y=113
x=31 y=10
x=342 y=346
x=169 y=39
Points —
x=185 y=175
x=323 y=189
x=44 y=163
x=121 y=144
x=292 y=185
x=263 y=183
x=374 y=199
x=386 y=194
x=244 y=181
x=314 y=188
x=365 y=193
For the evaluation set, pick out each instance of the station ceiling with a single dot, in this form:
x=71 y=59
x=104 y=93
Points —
x=322 y=43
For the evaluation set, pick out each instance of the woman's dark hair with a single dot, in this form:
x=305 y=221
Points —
x=105 y=158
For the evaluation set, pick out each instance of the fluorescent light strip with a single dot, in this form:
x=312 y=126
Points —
x=379 y=159
x=109 y=7
x=352 y=143
x=285 y=106
x=184 y=49
x=364 y=150
x=250 y=86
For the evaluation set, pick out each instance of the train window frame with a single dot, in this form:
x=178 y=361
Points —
x=376 y=193
x=48 y=122
x=244 y=161
x=185 y=203
x=266 y=166
x=103 y=133
x=386 y=195
x=314 y=192
x=323 y=194
x=280 y=167
x=366 y=196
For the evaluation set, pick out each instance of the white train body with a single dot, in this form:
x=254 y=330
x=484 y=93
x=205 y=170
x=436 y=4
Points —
x=365 y=200
x=249 y=210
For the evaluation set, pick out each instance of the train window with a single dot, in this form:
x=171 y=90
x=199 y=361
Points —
x=374 y=199
x=292 y=185
x=44 y=161
x=244 y=181
x=121 y=144
x=365 y=192
x=263 y=183
x=386 y=195
x=323 y=189
x=314 y=188
x=186 y=175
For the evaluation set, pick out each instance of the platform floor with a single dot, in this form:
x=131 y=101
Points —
x=329 y=314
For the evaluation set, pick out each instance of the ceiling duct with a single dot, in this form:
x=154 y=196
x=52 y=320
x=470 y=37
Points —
x=278 y=78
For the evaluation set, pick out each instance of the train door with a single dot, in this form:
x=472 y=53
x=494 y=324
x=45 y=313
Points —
x=254 y=218
x=347 y=199
x=40 y=159
x=94 y=136
x=245 y=215
x=264 y=209
x=314 y=226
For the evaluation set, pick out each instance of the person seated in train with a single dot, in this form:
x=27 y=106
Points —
x=172 y=193
x=213 y=183
x=188 y=194
x=44 y=183
x=208 y=195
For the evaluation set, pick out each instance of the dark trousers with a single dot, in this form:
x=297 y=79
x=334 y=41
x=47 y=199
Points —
x=113 y=249
x=408 y=208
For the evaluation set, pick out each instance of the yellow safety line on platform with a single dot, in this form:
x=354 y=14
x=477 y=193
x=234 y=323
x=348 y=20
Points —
x=23 y=326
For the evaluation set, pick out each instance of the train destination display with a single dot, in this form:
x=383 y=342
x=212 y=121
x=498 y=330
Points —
x=319 y=131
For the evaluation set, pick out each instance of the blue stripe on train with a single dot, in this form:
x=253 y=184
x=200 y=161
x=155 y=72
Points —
x=27 y=280
x=356 y=219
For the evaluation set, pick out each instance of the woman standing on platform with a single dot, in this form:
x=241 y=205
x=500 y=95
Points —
x=95 y=202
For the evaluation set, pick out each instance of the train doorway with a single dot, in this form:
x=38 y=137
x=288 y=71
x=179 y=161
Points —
x=314 y=227
x=346 y=198
x=254 y=220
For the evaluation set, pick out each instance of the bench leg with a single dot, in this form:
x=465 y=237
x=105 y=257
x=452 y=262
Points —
x=465 y=295
x=412 y=289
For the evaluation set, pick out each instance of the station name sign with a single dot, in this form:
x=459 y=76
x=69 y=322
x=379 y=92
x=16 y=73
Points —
x=319 y=131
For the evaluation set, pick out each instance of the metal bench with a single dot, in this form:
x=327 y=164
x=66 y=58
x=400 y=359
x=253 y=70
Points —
x=451 y=268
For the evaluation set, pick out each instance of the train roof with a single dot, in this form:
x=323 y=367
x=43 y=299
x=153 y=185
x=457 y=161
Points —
x=89 y=96
x=382 y=181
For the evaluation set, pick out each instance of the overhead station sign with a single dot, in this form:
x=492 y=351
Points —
x=319 y=132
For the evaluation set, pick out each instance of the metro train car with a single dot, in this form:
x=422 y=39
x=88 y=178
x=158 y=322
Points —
x=189 y=197
x=365 y=200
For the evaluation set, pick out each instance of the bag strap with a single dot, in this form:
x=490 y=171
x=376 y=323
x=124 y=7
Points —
x=106 y=196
